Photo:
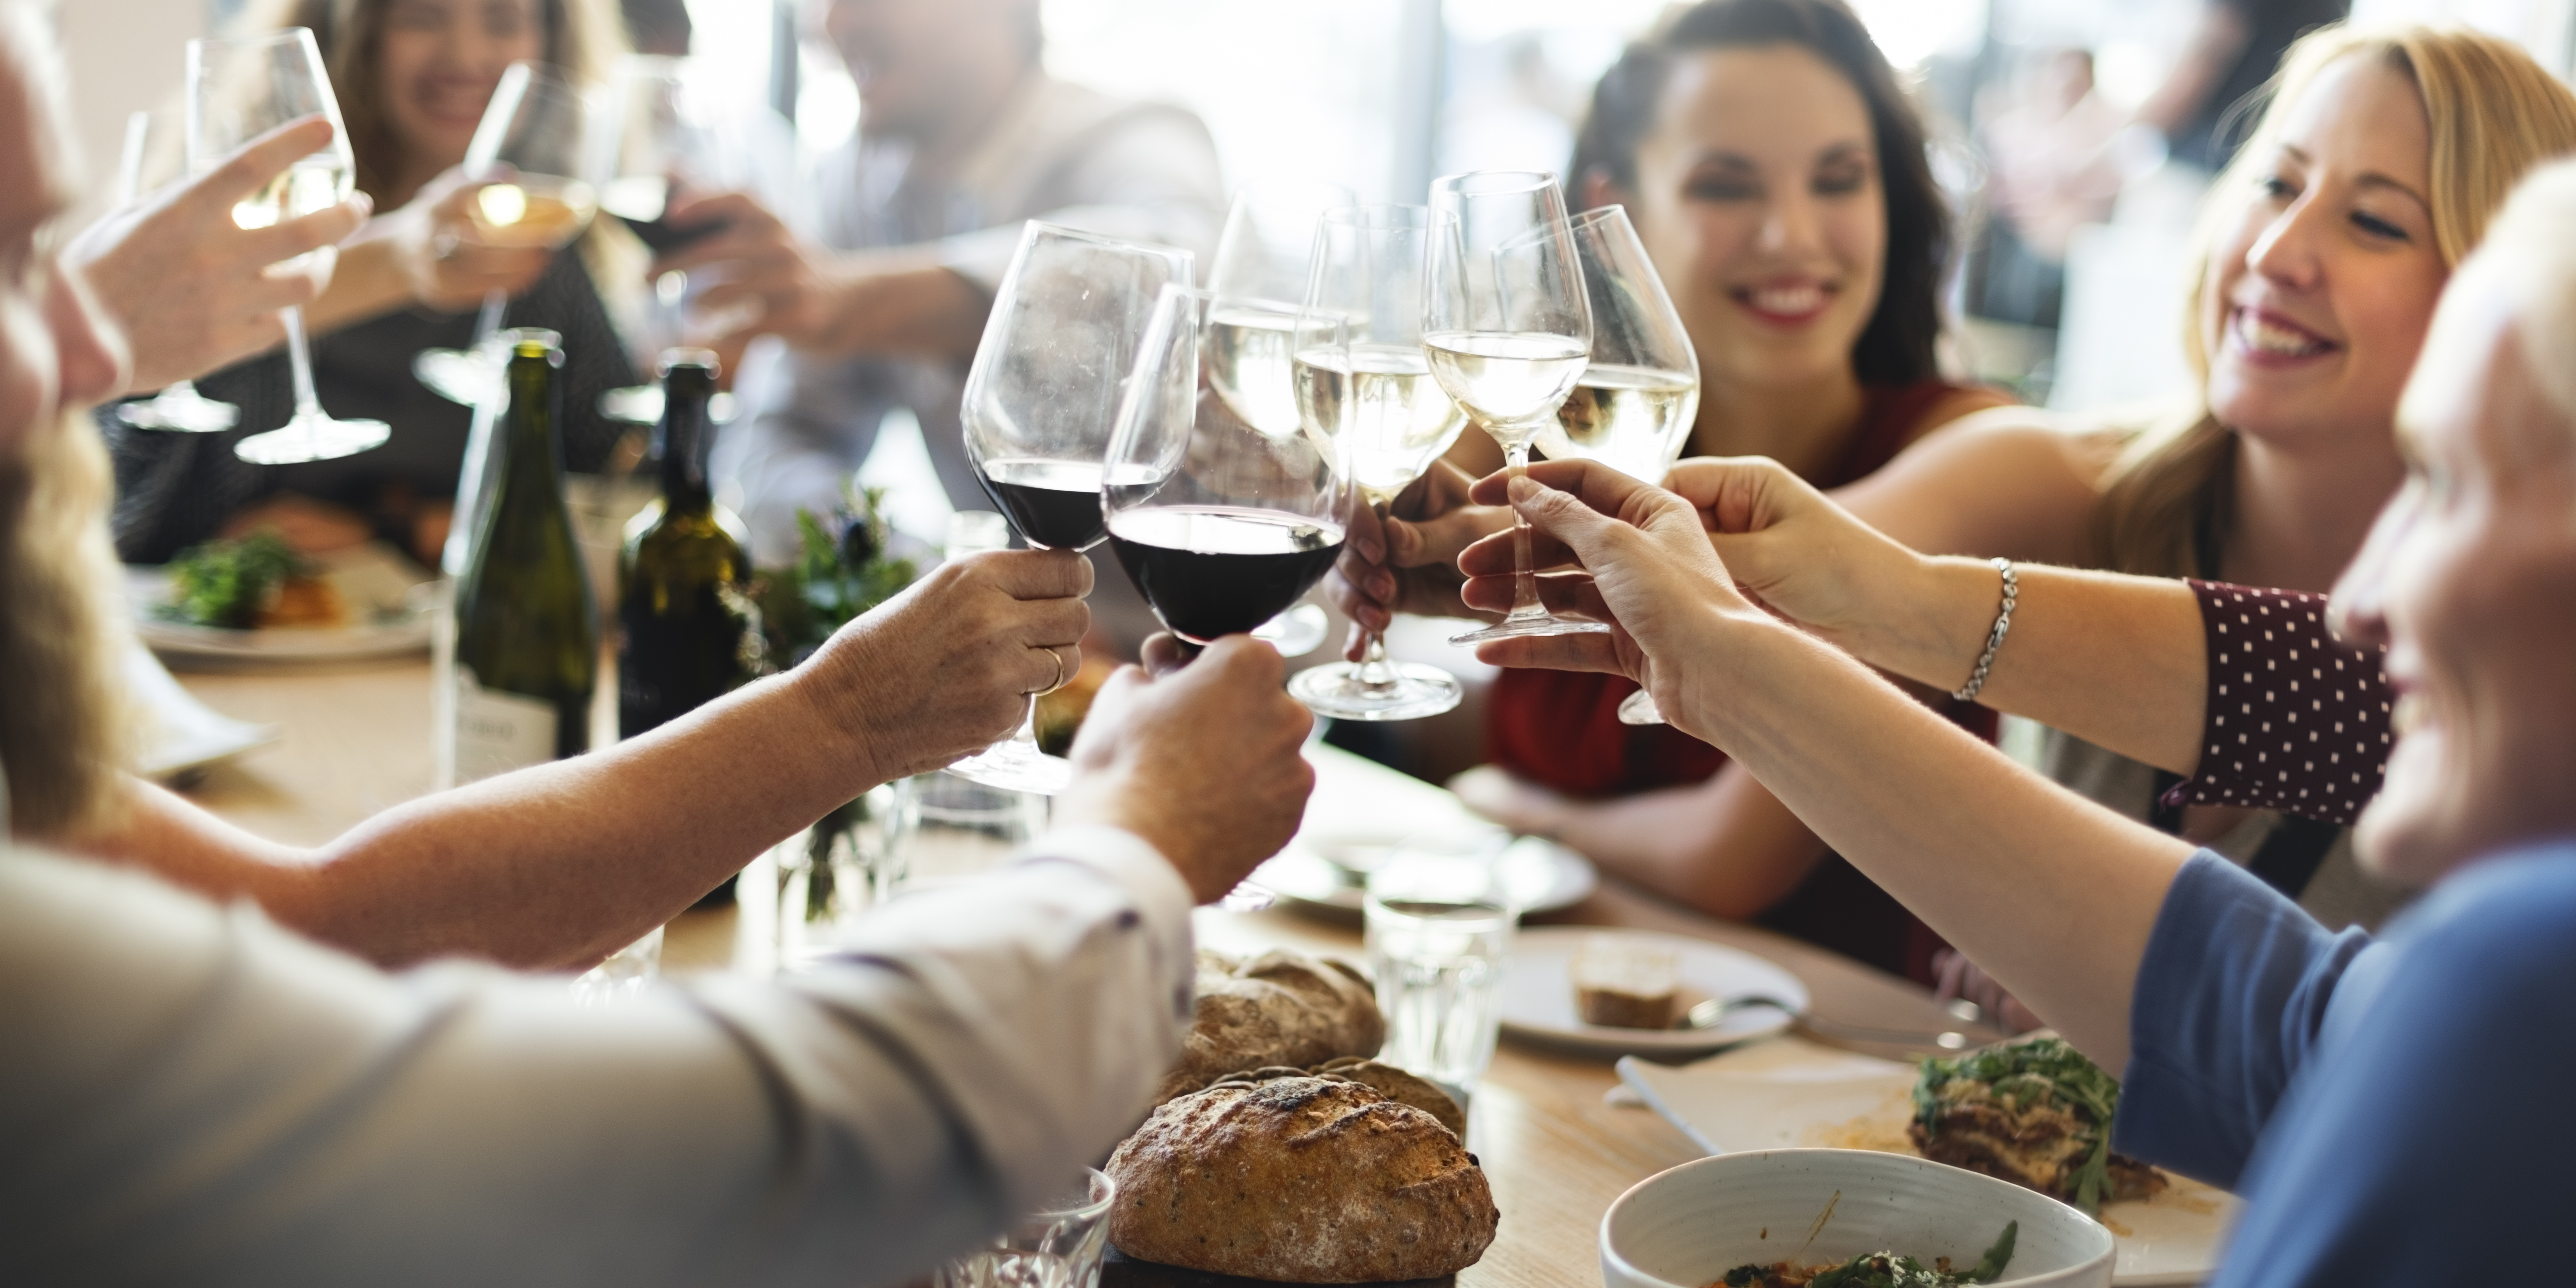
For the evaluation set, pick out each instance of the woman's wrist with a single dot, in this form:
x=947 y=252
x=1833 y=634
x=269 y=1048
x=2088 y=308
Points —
x=1939 y=617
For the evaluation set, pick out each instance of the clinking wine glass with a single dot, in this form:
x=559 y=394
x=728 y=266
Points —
x=536 y=153
x=1220 y=522
x=178 y=408
x=1262 y=256
x=1038 y=407
x=1633 y=408
x=661 y=146
x=1508 y=330
x=1365 y=387
x=237 y=91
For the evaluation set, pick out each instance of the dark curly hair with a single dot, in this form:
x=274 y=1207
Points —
x=1897 y=347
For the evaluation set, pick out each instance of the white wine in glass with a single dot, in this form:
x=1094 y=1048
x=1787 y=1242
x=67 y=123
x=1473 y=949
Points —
x=239 y=90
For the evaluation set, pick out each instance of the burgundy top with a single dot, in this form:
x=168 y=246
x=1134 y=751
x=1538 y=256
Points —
x=1561 y=729
x=2297 y=720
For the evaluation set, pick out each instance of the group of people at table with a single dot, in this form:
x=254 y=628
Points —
x=233 y=1062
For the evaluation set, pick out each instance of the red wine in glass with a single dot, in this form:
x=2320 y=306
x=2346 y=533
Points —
x=1211 y=570
x=1054 y=504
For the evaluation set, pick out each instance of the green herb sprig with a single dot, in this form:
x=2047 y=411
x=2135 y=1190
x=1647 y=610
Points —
x=229 y=583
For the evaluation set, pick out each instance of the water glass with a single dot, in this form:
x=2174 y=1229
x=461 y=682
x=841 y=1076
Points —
x=943 y=829
x=1439 y=931
x=1058 y=1246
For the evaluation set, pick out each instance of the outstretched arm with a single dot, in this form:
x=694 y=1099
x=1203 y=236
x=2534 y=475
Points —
x=2052 y=894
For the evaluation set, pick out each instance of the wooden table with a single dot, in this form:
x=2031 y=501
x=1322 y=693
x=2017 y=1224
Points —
x=357 y=740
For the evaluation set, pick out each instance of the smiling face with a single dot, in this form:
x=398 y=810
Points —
x=1759 y=201
x=436 y=64
x=2319 y=291
x=2470 y=580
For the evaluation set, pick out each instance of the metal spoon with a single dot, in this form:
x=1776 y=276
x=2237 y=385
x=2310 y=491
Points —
x=1707 y=1014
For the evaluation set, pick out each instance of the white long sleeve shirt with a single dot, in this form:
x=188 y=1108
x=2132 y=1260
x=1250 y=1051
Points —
x=189 y=1094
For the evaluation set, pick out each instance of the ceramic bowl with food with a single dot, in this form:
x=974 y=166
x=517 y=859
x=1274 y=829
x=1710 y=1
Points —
x=1687 y=1227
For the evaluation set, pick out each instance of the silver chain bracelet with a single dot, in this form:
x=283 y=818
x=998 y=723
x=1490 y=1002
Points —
x=1995 y=637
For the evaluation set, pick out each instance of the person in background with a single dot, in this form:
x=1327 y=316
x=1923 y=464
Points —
x=658 y=27
x=962 y=137
x=2235 y=47
x=2368 y=1097
x=1777 y=176
x=196 y=1095
x=412 y=77
x=2052 y=167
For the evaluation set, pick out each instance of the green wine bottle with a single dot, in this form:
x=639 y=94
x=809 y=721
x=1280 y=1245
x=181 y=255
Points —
x=686 y=635
x=527 y=629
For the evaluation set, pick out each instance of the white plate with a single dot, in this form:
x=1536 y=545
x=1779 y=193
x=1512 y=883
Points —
x=372 y=579
x=1538 y=994
x=1792 y=1092
x=181 y=733
x=1542 y=875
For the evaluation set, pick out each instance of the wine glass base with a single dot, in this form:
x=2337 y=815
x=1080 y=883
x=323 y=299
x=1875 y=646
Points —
x=181 y=413
x=1297 y=632
x=464 y=376
x=1018 y=767
x=313 y=438
x=1639 y=708
x=1338 y=691
x=1512 y=628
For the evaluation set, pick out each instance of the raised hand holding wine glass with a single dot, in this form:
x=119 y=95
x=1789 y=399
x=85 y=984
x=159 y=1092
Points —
x=1364 y=385
x=237 y=91
x=1508 y=331
x=1039 y=404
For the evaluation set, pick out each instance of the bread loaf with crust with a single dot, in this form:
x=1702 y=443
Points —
x=1280 y=1008
x=1400 y=1086
x=1303 y=1179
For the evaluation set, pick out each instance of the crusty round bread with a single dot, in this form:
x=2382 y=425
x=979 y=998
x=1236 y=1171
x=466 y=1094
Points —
x=1303 y=1179
x=1402 y=1087
x=1280 y=1008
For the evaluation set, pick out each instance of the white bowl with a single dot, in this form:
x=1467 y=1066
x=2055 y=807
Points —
x=1686 y=1227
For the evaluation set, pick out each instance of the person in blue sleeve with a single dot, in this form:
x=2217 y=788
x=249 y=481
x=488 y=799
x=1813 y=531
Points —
x=2392 y=1109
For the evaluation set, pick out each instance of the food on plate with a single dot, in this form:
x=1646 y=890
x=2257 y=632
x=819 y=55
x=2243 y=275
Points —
x=1288 y=1176
x=1877 y=1270
x=255 y=581
x=2033 y=1112
x=1280 y=1008
x=1399 y=1086
x=1624 y=983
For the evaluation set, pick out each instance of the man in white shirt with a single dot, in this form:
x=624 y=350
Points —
x=193 y=1094
x=962 y=137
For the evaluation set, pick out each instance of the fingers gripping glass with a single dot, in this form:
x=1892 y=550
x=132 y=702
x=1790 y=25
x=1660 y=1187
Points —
x=1038 y=407
x=1508 y=330
x=237 y=91
x=178 y=408
x=1364 y=385
x=537 y=152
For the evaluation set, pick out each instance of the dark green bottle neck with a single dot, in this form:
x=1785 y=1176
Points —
x=683 y=439
x=536 y=450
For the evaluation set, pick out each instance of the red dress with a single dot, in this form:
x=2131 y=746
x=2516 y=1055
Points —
x=1561 y=729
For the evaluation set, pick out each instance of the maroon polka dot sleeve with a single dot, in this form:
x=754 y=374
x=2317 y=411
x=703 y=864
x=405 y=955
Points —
x=2297 y=720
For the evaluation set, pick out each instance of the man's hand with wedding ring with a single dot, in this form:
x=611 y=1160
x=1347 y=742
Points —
x=1057 y=655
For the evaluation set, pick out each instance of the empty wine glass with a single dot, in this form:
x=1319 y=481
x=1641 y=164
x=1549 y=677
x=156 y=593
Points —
x=660 y=146
x=1508 y=330
x=178 y=407
x=237 y=91
x=1633 y=408
x=1365 y=387
x=536 y=153
x=1038 y=406
x=1262 y=256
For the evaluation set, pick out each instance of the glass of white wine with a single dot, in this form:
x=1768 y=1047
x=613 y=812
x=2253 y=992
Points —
x=237 y=91
x=179 y=407
x=1634 y=405
x=1508 y=329
x=1365 y=392
x=534 y=152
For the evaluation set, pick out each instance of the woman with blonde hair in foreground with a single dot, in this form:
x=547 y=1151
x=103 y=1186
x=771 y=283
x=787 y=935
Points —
x=2393 y=1110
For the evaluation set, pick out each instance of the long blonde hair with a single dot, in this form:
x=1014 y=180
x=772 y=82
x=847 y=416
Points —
x=582 y=37
x=2495 y=115
x=64 y=726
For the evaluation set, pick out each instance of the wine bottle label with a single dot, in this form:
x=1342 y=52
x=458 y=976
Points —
x=497 y=732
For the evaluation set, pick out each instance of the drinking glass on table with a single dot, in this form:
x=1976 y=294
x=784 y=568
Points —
x=237 y=91
x=1365 y=387
x=1038 y=406
x=178 y=407
x=1061 y=1245
x=1439 y=923
x=536 y=153
x=1263 y=257
x=1633 y=407
x=1508 y=331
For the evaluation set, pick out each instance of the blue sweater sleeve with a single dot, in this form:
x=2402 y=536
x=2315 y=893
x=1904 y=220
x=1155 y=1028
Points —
x=2230 y=997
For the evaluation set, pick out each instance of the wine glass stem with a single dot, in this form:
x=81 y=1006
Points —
x=488 y=322
x=1374 y=672
x=1525 y=604
x=1027 y=736
x=300 y=359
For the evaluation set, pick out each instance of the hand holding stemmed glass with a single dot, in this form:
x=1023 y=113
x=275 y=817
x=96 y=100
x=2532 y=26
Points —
x=1038 y=407
x=536 y=155
x=239 y=90
x=178 y=408
x=661 y=149
x=1508 y=330
x=1365 y=387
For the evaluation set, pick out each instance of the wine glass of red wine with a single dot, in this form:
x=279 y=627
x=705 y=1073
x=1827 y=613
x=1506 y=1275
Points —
x=1039 y=404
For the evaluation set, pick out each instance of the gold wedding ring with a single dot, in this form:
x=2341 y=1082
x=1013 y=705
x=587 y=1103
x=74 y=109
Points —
x=1059 y=675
